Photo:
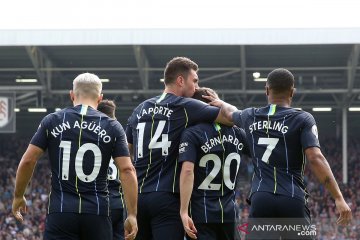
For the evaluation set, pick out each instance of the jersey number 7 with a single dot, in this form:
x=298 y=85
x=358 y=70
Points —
x=271 y=144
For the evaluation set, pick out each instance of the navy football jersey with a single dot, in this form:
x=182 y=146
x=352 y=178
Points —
x=154 y=129
x=216 y=153
x=115 y=190
x=277 y=137
x=80 y=141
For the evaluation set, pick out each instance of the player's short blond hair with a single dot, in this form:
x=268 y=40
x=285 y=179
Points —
x=87 y=85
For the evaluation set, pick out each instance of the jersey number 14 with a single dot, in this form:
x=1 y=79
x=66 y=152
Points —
x=164 y=144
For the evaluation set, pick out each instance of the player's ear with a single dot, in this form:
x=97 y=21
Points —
x=180 y=81
x=267 y=90
x=292 y=92
x=72 y=95
x=100 y=98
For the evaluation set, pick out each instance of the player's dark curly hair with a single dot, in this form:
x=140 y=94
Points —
x=199 y=92
x=108 y=107
x=280 y=80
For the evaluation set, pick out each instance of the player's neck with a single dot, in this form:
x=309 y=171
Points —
x=281 y=102
x=169 y=89
x=88 y=102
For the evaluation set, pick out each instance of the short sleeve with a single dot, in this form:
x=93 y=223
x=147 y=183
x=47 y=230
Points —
x=188 y=147
x=129 y=131
x=242 y=136
x=309 y=132
x=120 y=145
x=198 y=111
x=41 y=137
x=237 y=118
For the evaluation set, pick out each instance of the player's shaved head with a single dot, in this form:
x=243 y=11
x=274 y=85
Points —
x=87 y=85
x=280 y=81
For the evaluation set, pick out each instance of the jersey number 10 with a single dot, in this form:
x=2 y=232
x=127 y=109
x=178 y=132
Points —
x=66 y=145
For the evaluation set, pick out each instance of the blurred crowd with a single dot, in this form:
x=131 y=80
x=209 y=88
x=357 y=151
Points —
x=321 y=205
x=11 y=149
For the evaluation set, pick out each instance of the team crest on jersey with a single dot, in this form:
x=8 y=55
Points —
x=314 y=130
x=182 y=147
x=4 y=111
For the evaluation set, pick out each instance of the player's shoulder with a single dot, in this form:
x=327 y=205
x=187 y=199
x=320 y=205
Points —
x=192 y=102
x=146 y=103
x=174 y=100
x=198 y=130
x=198 y=133
x=240 y=133
x=243 y=114
x=57 y=115
x=170 y=99
x=236 y=129
x=305 y=116
x=114 y=123
x=249 y=111
x=200 y=127
x=298 y=112
x=231 y=130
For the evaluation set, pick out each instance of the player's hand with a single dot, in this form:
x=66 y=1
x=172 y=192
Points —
x=189 y=225
x=18 y=207
x=130 y=227
x=213 y=99
x=345 y=212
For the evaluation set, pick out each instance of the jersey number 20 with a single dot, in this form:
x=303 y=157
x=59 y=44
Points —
x=206 y=184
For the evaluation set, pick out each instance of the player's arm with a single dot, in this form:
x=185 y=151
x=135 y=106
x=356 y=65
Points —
x=186 y=188
x=128 y=180
x=23 y=176
x=129 y=136
x=187 y=155
x=321 y=168
x=130 y=187
x=225 y=115
x=186 y=185
x=131 y=151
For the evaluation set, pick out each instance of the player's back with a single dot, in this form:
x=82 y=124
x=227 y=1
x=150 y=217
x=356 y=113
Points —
x=277 y=139
x=154 y=129
x=217 y=152
x=80 y=141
